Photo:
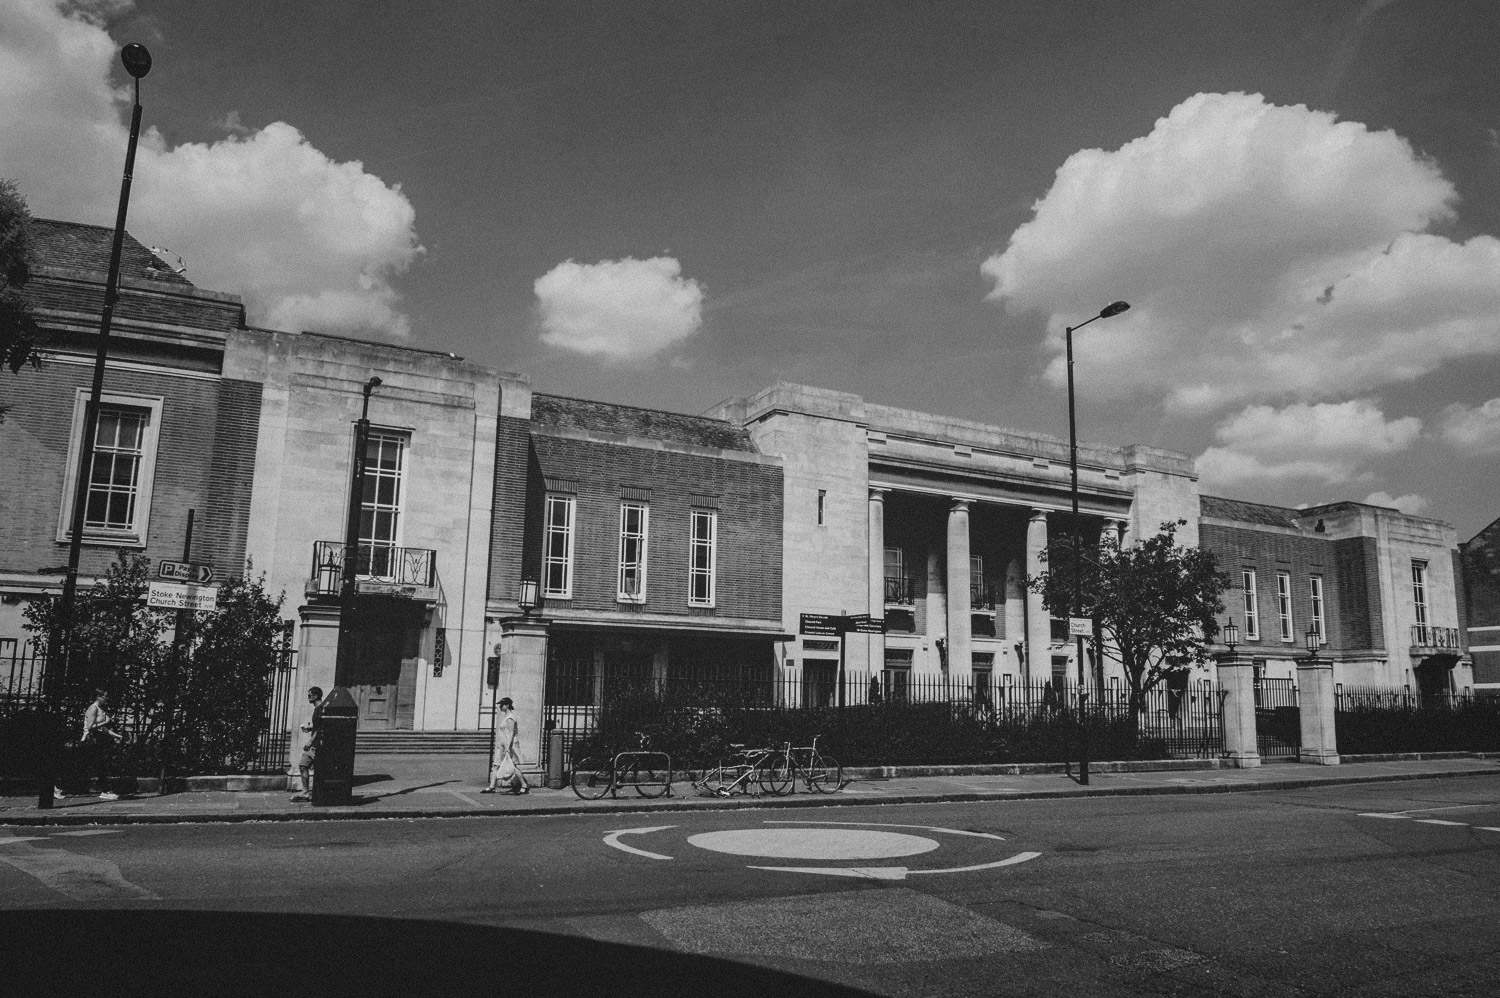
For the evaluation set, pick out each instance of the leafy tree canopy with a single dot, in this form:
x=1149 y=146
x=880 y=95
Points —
x=20 y=335
x=1154 y=603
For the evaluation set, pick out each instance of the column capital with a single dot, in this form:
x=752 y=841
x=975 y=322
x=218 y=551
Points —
x=1038 y=514
x=878 y=493
x=956 y=504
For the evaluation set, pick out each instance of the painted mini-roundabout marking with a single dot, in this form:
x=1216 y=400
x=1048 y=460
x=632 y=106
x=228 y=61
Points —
x=829 y=841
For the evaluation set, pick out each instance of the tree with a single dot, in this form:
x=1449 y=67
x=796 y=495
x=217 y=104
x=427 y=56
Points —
x=1154 y=603
x=20 y=335
x=194 y=685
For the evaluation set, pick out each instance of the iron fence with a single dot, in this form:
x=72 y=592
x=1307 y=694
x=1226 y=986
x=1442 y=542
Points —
x=22 y=666
x=908 y=716
x=1278 y=719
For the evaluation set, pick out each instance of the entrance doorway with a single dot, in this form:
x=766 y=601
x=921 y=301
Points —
x=383 y=673
x=1432 y=680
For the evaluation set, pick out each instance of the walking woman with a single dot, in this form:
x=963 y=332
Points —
x=507 y=765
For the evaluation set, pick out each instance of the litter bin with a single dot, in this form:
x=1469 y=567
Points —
x=333 y=768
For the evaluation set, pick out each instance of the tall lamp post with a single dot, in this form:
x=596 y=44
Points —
x=350 y=586
x=1114 y=308
x=59 y=646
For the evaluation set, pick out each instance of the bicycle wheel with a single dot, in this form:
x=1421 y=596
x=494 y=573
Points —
x=714 y=782
x=651 y=781
x=826 y=775
x=775 y=774
x=592 y=778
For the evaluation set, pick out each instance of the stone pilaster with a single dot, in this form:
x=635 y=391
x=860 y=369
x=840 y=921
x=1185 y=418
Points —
x=876 y=642
x=960 y=661
x=1038 y=620
x=523 y=678
x=1237 y=676
x=1315 y=703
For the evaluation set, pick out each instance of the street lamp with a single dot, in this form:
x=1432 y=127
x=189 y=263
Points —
x=1313 y=640
x=1231 y=636
x=59 y=646
x=527 y=600
x=1114 y=308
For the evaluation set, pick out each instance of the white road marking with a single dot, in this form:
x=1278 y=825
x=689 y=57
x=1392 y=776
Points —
x=7 y=840
x=813 y=843
x=894 y=872
x=881 y=824
x=1438 y=821
x=82 y=878
x=613 y=839
x=1385 y=814
x=1487 y=828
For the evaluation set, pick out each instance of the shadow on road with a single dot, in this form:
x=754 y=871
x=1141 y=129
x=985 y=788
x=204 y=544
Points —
x=157 y=953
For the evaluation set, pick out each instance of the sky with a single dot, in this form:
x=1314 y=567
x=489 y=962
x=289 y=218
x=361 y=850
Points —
x=670 y=204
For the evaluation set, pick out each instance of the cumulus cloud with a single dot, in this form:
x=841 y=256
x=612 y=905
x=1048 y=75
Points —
x=309 y=243
x=1267 y=252
x=618 y=309
x=1473 y=430
x=1327 y=442
x=1411 y=505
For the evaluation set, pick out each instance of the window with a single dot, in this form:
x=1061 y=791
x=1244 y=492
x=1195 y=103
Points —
x=1252 y=616
x=118 y=506
x=1284 y=604
x=380 y=506
x=557 y=548
x=634 y=518
x=1419 y=596
x=703 y=558
x=822 y=500
x=1316 y=584
x=898 y=588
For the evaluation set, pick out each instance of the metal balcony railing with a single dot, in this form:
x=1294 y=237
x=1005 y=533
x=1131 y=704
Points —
x=900 y=590
x=401 y=566
x=1427 y=636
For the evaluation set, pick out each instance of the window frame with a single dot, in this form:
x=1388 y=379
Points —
x=372 y=506
x=1419 y=588
x=1319 y=621
x=567 y=531
x=642 y=537
x=140 y=527
x=1251 y=609
x=1284 y=606
x=697 y=543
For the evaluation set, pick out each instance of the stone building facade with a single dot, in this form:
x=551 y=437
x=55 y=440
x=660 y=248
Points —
x=1480 y=556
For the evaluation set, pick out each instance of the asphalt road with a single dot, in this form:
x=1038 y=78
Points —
x=1387 y=889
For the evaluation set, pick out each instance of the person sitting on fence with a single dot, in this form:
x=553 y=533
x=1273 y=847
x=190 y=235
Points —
x=507 y=763
x=310 y=744
x=99 y=741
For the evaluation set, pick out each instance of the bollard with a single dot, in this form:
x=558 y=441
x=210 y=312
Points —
x=555 y=759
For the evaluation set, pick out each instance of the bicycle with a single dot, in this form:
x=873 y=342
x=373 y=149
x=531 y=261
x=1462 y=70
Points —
x=650 y=773
x=820 y=773
x=725 y=780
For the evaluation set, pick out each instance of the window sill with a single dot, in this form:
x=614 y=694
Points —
x=118 y=539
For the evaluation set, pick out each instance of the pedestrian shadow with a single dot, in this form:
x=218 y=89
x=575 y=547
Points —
x=372 y=798
x=151 y=952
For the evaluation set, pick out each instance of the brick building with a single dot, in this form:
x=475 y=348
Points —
x=1481 y=605
x=654 y=542
x=177 y=432
x=1380 y=587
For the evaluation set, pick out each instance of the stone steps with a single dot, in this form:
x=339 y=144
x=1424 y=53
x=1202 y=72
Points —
x=422 y=742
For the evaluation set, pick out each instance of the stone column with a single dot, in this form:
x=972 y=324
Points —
x=317 y=651
x=1113 y=529
x=875 y=644
x=960 y=609
x=1015 y=611
x=1315 y=702
x=1038 y=620
x=523 y=678
x=1237 y=676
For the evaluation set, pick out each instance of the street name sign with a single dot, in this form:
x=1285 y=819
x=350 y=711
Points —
x=863 y=623
x=182 y=596
x=185 y=571
x=822 y=624
x=1080 y=627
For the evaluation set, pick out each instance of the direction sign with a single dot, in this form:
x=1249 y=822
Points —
x=185 y=571
x=181 y=596
x=1080 y=627
x=822 y=624
x=863 y=623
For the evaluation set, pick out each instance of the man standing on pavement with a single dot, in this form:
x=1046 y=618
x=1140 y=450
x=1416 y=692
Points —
x=309 y=755
x=99 y=741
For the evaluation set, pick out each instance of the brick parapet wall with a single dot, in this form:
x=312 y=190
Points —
x=1345 y=601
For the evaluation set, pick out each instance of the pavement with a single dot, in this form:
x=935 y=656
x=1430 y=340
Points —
x=440 y=786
